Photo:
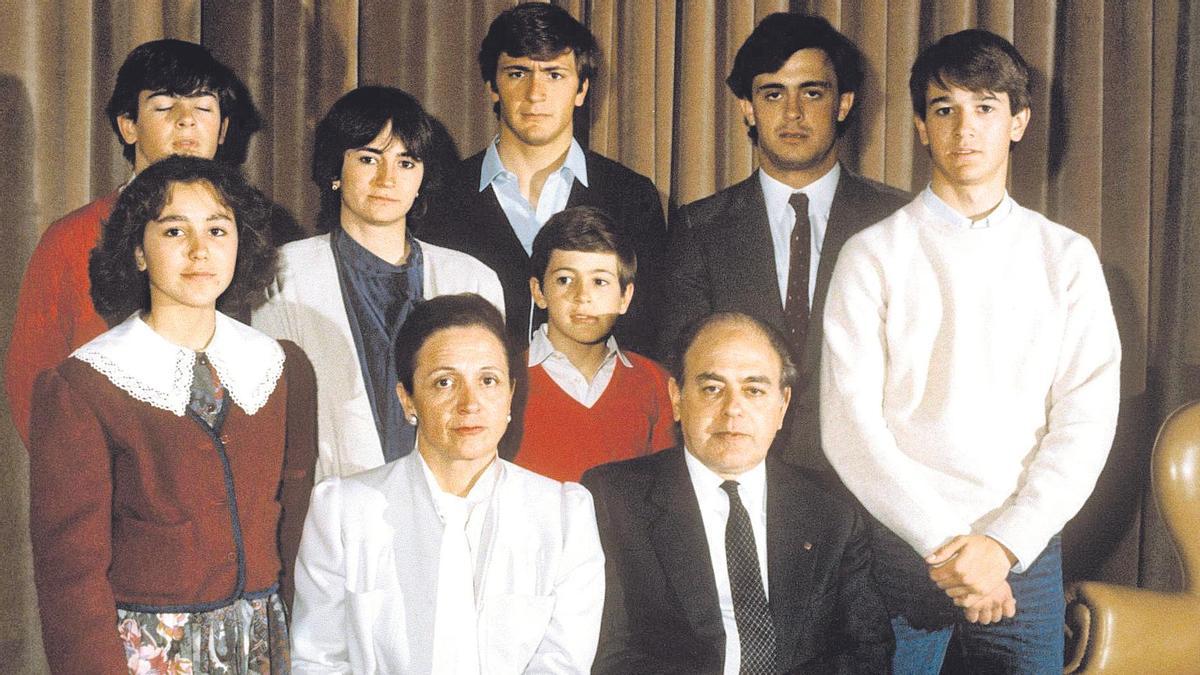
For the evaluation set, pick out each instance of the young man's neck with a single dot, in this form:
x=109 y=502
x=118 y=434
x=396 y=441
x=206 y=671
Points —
x=973 y=201
x=188 y=327
x=587 y=358
x=532 y=164
x=387 y=242
x=798 y=178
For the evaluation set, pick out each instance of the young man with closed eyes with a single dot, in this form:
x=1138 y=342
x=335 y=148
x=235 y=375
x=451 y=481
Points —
x=970 y=380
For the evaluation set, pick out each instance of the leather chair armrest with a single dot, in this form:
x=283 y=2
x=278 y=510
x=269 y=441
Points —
x=1119 y=629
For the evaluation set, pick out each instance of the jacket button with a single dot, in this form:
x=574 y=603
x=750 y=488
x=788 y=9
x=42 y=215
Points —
x=231 y=557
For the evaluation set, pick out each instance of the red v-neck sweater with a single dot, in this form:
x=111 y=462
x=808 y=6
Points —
x=562 y=438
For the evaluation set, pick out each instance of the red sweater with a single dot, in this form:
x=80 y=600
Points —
x=54 y=309
x=562 y=438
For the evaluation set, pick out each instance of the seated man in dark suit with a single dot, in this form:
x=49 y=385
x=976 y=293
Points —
x=691 y=534
x=539 y=62
x=766 y=246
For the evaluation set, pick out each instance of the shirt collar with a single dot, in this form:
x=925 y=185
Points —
x=480 y=492
x=574 y=166
x=158 y=372
x=540 y=349
x=819 y=192
x=948 y=214
x=752 y=484
x=360 y=258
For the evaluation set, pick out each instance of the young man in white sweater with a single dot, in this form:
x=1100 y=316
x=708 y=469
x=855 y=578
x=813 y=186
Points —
x=970 y=380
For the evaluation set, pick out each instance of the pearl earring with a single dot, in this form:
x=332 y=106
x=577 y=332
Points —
x=412 y=419
x=509 y=417
x=336 y=184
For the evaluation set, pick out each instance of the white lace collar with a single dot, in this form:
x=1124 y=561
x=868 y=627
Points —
x=153 y=370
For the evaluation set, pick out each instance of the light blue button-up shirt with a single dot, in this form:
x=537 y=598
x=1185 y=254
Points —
x=523 y=217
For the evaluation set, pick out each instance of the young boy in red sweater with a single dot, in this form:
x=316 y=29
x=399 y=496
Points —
x=587 y=401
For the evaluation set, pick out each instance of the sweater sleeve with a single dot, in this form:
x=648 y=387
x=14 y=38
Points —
x=854 y=431
x=662 y=431
x=1081 y=417
x=320 y=633
x=299 y=462
x=70 y=523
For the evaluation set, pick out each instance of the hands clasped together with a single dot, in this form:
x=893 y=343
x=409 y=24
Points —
x=972 y=569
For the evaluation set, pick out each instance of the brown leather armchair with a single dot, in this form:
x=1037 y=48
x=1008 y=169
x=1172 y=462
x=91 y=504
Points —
x=1120 y=629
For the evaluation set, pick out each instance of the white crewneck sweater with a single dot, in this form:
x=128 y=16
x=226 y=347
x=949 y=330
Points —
x=970 y=375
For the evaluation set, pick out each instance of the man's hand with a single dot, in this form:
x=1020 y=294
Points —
x=970 y=565
x=991 y=608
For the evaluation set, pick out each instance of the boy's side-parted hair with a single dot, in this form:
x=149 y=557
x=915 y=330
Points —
x=977 y=60
x=782 y=34
x=540 y=31
x=183 y=68
x=353 y=121
x=587 y=229
x=119 y=288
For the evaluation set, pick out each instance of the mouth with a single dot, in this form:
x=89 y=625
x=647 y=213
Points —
x=199 y=276
x=185 y=145
x=469 y=430
x=584 y=318
x=794 y=136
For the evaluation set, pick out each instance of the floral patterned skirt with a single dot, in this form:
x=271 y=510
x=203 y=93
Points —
x=248 y=636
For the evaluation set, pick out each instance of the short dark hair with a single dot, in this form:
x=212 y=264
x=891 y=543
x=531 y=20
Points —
x=977 y=60
x=782 y=34
x=583 y=228
x=540 y=31
x=351 y=123
x=787 y=370
x=119 y=288
x=462 y=310
x=183 y=68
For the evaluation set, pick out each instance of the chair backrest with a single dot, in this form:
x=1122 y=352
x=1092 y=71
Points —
x=1176 y=484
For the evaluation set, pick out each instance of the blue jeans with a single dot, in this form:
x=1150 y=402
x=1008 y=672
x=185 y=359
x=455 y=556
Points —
x=928 y=626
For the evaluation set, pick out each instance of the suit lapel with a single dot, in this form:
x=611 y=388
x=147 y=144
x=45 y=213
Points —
x=743 y=247
x=682 y=548
x=791 y=551
x=841 y=224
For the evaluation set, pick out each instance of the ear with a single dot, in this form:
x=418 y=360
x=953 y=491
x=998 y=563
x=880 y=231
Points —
x=581 y=95
x=1019 y=122
x=922 y=133
x=626 y=298
x=128 y=129
x=673 y=391
x=747 y=111
x=787 y=398
x=492 y=91
x=845 y=103
x=406 y=402
x=224 y=130
x=535 y=289
x=139 y=258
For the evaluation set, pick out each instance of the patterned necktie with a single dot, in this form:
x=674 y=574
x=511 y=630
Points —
x=455 y=625
x=756 y=631
x=795 y=307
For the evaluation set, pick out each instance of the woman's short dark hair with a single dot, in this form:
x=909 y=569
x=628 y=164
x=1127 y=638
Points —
x=583 y=228
x=788 y=373
x=352 y=123
x=782 y=34
x=119 y=288
x=540 y=31
x=977 y=60
x=181 y=68
x=463 y=310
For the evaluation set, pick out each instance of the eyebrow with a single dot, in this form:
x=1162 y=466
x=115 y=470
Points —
x=177 y=217
x=824 y=84
x=379 y=151
x=200 y=93
x=978 y=96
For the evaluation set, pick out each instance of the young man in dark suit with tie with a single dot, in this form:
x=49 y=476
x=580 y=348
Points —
x=538 y=63
x=719 y=560
x=766 y=246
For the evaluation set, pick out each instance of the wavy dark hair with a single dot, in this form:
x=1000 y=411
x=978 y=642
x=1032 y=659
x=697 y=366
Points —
x=119 y=288
x=540 y=31
x=977 y=60
x=183 y=68
x=461 y=310
x=782 y=34
x=788 y=373
x=351 y=123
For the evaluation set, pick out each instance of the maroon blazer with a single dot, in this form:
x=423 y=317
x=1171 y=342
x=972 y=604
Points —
x=136 y=508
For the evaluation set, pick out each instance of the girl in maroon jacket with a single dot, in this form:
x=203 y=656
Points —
x=172 y=456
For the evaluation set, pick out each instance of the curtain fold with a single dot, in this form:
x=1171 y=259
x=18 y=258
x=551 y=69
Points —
x=1111 y=151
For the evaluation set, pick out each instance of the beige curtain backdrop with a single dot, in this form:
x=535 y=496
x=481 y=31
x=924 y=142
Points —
x=1111 y=152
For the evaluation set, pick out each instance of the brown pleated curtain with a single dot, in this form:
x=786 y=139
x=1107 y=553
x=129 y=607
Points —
x=1111 y=152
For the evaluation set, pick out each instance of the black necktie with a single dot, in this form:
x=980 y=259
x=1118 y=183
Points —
x=795 y=308
x=756 y=631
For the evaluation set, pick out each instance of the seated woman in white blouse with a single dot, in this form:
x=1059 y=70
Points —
x=449 y=560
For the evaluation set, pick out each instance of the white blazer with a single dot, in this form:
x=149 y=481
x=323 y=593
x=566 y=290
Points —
x=366 y=575
x=305 y=305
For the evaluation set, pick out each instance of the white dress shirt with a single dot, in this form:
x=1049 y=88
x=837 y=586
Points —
x=782 y=218
x=714 y=512
x=567 y=376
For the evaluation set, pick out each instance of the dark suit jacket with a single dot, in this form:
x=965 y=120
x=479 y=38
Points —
x=721 y=259
x=463 y=218
x=661 y=613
